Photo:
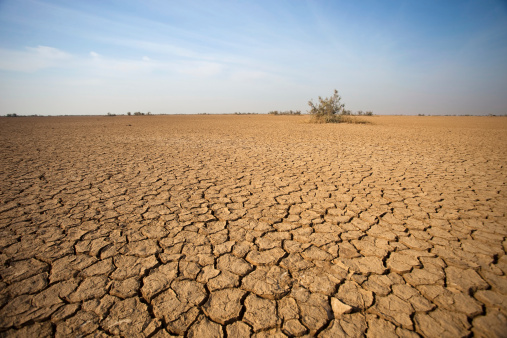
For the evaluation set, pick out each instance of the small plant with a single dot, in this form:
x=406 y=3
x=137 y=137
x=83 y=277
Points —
x=287 y=112
x=328 y=110
x=332 y=110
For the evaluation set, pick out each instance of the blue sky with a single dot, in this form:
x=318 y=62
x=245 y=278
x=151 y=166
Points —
x=169 y=57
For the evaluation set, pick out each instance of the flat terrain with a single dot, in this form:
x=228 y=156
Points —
x=234 y=226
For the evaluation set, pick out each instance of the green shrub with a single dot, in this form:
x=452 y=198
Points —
x=328 y=110
x=332 y=110
x=287 y=112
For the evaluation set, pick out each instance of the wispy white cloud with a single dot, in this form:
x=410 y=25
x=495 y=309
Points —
x=158 y=47
x=32 y=59
x=49 y=53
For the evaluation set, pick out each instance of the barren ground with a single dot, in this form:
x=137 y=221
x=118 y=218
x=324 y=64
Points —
x=253 y=225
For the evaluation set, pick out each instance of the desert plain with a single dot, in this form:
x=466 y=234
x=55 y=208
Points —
x=253 y=225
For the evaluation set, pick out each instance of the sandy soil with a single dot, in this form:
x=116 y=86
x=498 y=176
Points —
x=253 y=225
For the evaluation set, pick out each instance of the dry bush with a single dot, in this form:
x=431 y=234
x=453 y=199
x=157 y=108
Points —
x=286 y=112
x=328 y=110
x=332 y=110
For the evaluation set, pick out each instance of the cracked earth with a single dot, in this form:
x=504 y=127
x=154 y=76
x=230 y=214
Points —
x=238 y=226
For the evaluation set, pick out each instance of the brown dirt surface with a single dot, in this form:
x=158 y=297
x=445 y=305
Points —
x=154 y=226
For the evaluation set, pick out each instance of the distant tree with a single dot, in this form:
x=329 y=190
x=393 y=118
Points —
x=286 y=112
x=332 y=110
x=328 y=110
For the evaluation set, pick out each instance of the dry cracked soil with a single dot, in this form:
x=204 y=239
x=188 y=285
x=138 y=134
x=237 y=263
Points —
x=239 y=226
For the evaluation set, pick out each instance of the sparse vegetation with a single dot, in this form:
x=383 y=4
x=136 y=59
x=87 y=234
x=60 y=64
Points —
x=138 y=113
x=328 y=110
x=366 y=113
x=332 y=110
x=12 y=115
x=286 y=112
